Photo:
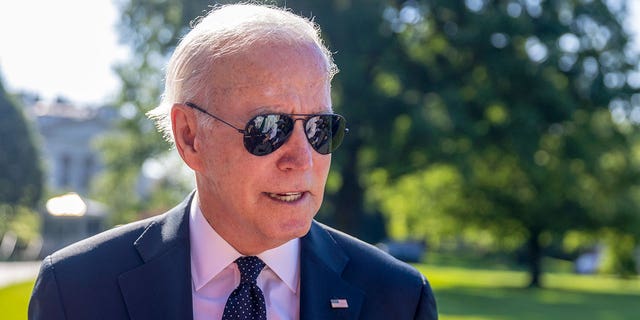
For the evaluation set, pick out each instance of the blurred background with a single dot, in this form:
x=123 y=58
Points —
x=494 y=144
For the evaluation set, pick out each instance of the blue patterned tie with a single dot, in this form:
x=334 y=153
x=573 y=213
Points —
x=247 y=300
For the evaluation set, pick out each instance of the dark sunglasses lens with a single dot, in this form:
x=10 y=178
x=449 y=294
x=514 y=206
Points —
x=266 y=133
x=325 y=132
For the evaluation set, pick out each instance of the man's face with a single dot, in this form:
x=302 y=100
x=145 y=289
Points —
x=260 y=202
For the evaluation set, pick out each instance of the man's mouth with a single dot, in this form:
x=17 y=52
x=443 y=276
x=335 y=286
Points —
x=287 y=196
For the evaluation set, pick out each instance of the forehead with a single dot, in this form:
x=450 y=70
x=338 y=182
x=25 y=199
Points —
x=264 y=61
x=278 y=70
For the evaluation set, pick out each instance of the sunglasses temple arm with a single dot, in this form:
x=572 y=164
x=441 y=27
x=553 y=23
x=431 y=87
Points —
x=194 y=106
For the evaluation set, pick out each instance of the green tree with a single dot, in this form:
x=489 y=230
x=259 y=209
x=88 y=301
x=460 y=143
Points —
x=21 y=175
x=20 y=171
x=151 y=29
x=532 y=103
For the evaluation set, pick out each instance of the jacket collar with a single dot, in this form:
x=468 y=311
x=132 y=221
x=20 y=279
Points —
x=160 y=287
x=324 y=293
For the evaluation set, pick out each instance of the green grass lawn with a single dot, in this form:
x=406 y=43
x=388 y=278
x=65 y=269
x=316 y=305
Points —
x=481 y=294
x=14 y=301
x=466 y=294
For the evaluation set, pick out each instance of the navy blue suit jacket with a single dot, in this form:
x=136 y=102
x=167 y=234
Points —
x=142 y=271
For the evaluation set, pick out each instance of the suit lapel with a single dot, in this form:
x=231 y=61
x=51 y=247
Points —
x=161 y=286
x=321 y=266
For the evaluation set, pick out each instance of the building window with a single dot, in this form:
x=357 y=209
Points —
x=89 y=164
x=65 y=171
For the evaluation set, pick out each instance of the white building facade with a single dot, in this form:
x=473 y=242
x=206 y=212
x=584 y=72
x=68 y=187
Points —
x=67 y=135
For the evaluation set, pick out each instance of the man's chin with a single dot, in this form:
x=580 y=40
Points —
x=295 y=230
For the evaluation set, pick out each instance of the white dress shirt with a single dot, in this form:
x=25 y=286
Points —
x=215 y=275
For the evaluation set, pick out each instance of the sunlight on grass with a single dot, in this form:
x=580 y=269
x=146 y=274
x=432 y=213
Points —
x=594 y=283
x=14 y=300
x=446 y=277
x=476 y=294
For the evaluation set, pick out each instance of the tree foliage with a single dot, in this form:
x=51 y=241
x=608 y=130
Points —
x=151 y=29
x=21 y=177
x=532 y=103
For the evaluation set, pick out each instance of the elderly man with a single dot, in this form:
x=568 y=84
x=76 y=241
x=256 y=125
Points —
x=247 y=104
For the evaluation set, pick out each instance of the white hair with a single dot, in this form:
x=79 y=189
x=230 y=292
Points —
x=226 y=30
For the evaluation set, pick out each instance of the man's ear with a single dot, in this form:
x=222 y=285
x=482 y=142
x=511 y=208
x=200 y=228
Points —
x=185 y=128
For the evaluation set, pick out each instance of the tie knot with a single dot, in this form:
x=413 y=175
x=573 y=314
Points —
x=250 y=268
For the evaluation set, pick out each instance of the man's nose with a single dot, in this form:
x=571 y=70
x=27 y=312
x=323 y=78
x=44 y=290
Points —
x=297 y=153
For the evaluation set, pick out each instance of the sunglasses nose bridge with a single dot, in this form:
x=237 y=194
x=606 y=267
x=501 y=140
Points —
x=297 y=151
x=304 y=124
x=304 y=120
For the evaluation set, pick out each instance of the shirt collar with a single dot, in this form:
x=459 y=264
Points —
x=210 y=253
x=285 y=262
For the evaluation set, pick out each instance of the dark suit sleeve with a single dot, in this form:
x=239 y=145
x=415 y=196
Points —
x=45 y=300
x=427 y=305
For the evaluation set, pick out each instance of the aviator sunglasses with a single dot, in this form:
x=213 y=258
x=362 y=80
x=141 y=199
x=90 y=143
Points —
x=265 y=133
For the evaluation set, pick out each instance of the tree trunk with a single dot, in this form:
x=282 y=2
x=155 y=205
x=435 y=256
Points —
x=535 y=259
x=348 y=205
x=346 y=211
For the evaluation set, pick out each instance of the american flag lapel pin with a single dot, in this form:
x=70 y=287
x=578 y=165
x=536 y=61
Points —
x=339 y=304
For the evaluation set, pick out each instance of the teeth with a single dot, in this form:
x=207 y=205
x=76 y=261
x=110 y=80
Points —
x=286 y=197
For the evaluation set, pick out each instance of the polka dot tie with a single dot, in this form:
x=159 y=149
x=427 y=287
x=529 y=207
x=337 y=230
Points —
x=247 y=300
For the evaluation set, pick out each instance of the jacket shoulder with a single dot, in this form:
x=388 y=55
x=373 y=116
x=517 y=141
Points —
x=81 y=281
x=387 y=282
x=363 y=254
x=118 y=244
x=112 y=241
